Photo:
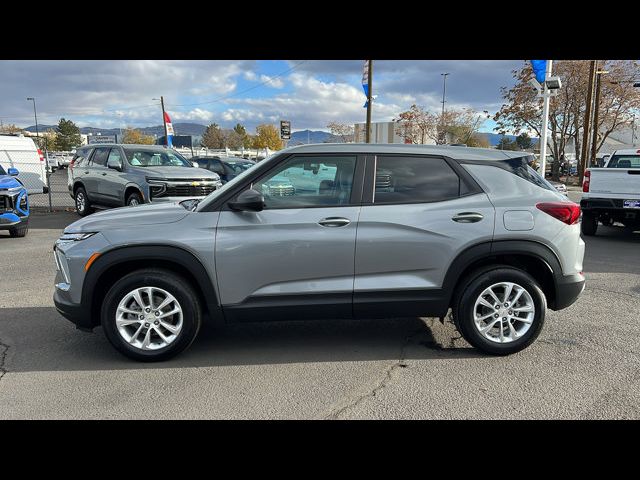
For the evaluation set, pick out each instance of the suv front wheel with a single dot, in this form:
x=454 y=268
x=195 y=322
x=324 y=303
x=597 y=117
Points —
x=500 y=310
x=151 y=315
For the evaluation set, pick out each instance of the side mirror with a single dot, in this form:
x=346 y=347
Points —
x=115 y=164
x=248 y=201
x=13 y=172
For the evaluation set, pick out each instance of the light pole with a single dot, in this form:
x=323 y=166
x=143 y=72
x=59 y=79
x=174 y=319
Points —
x=444 y=90
x=369 y=98
x=46 y=153
x=35 y=114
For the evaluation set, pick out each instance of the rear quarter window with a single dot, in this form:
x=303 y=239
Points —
x=624 y=161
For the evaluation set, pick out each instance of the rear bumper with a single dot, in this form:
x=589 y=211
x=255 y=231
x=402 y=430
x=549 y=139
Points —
x=604 y=204
x=568 y=289
x=73 y=312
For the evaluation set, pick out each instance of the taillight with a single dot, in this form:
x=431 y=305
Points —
x=567 y=212
x=41 y=155
x=586 y=181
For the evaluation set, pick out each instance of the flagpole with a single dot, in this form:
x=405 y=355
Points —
x=370 y=89
x=164 y=122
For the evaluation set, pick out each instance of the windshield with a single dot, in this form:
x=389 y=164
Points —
x=155 y=158
x=239 y=167
x=2 y=172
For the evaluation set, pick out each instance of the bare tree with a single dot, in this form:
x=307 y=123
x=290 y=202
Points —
x=416 y=125
x=344 y=131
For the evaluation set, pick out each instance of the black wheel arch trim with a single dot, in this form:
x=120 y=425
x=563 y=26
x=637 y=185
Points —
x=483 y=250
x=157 y=252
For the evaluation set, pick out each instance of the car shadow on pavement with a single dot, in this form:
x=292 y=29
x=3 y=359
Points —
x=39 y=339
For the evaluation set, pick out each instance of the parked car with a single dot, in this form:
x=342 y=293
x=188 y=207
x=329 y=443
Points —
x=22 y=153
x=14 y=203
x=53 y=162
x=226 y=167
x=473 y=230
x=119 y=175
x=612 y=193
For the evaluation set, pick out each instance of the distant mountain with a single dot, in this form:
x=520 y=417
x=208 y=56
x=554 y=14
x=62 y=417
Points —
x=494 y=138
x=194 y=129
x=310 y=136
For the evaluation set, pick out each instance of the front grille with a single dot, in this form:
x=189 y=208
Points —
x=6 y=203
x=282 y=190
x=185 y=190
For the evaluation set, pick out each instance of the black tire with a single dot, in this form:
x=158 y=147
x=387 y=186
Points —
x=21 y=230
x=172 y=283
x=82 y=208
x=134 y=197
x=469 y=290
x=589 y=224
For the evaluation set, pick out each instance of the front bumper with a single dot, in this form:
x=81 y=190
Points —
x=568 y=289
x=77 y=314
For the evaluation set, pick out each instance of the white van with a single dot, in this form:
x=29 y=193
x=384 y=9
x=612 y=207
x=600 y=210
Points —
x=22 y=153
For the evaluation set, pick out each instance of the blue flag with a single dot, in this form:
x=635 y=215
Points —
x=365 y=81
x=539 y=69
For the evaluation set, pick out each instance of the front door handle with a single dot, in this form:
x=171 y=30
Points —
x=467 y=217
x=86 y=173
x=334 y=222
x=103 y=174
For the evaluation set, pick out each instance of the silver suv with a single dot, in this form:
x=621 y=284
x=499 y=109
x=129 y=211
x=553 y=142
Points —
x=118 y=175
x=368 y=231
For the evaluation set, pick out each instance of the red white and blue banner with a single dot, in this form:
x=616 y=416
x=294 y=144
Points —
x=169 y=127
x=539 y=69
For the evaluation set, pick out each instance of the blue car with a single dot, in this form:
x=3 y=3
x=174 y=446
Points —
x=14 y=204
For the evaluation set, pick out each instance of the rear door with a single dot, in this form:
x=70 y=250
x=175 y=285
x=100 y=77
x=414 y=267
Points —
x=299 y=251
x=112 y=184
x=95 y=172
x=420 y=212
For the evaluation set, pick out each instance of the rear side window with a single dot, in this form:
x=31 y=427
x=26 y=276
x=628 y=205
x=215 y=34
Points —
x=414 y=180
x=100 y=156
x=81 y=158
x=520 y=167
x=624 y=161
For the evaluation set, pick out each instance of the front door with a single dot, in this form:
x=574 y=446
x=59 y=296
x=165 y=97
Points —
x=294 y=259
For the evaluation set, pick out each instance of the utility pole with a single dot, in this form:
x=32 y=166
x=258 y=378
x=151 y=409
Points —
x=545 y=121
x=369 y=96
x=587 y=119
x=596 y=111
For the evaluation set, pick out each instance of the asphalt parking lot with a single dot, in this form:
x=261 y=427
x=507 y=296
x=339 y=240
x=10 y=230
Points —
x=585 y=364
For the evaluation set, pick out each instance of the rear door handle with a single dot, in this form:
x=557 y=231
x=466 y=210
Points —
x=86 y=173
x=467 y=217
x=103 y=174
x=334 y=222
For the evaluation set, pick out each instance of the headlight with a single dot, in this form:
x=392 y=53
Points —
x=75 y=237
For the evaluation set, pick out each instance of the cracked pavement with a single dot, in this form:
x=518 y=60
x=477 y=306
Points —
x=585 y=364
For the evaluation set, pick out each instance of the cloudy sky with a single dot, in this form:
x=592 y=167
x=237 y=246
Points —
x=309 y=93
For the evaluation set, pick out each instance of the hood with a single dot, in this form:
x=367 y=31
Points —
x=191 y=173
x=7 y=181
x=126 y=217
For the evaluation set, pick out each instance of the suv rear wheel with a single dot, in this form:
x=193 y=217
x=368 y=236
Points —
x=500 y=310
x=83 y=207
x=151 y=315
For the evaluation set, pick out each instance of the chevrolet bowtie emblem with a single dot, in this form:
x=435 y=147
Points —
x=195 y=184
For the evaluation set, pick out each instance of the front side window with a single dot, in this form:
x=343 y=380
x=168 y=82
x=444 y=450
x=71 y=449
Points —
x=155 y=158
x=114 y=156
x=309 y=182
x=100 y=156
x=414 y=180
x=202 y=162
